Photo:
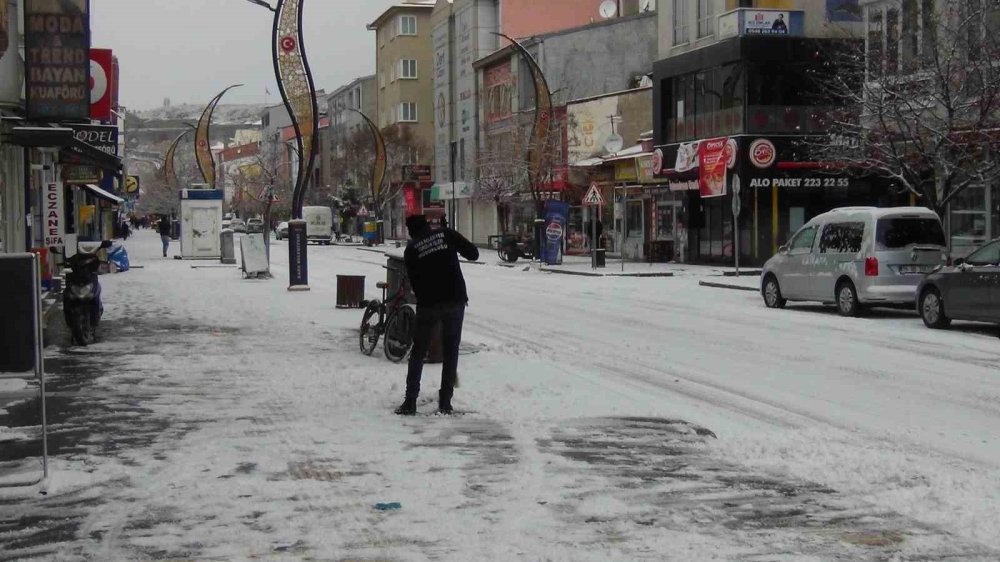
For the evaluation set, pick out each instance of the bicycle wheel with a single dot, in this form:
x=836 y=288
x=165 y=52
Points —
x=370 y=329
x=399 y=333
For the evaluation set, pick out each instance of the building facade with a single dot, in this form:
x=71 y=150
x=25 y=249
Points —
x=734 y=110
x=404 y=63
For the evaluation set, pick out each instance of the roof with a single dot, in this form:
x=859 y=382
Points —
x=403 y=6
x=880 y=212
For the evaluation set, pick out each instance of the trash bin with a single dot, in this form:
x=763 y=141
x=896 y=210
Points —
x=371 y=233
x=350 y=291
x=598 y=257
x=395 y=269
x=175 y=229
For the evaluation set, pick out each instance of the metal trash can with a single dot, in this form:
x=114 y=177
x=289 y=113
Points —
x=226 y=244
x=395 y=269
x=175 y=229
x=598 y=258
x=350 y=291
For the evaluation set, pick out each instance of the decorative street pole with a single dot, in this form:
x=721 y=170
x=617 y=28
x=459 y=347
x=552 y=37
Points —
x=298 y=93
x=539 y=137
x=203 y=142
x=378 y=171
x=169 y=172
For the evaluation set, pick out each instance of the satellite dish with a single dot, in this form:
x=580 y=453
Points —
x=609 y=9
x=614 y=143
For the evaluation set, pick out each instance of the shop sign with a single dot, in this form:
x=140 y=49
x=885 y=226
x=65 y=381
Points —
x=762 y=153
x=101 y=86
x=656 y=161
x=646 y=174
x=712 y=160
x=498 y=86
x=76 y=175
x=417 y=173
x=809 y=182
x=412 y=197
x=689 y=185
x=765 y=22
x=625 y=170
x=57 y=60
x=55 y=223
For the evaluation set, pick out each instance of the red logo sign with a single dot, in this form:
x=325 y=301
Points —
x=101 y=84
x=554 y=231
x=288 y=44
x=762 y=153
x=730 y=154
x=657 y=163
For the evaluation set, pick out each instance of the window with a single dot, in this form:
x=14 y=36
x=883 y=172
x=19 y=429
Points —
x=408 y=68
x=680 y=22
x=357 y=98
x=875 y=38
x=911 y=34
x=407 y=25
x=408 y=112
x=802 y=242
x=892 y=41
x=928 y=47
x=902 y=232
x=706 y=18
x=842 y=238
x=987 y=255
x=706 y=104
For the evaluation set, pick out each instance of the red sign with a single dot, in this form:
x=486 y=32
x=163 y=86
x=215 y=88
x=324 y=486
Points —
x=762 y=153
x=712 y=163
x=101 y=84
x=412 y=197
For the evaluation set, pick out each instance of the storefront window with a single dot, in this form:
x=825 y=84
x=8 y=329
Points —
x=970 y=219
x=706 y=104
x=634 y=222
x=664 y=219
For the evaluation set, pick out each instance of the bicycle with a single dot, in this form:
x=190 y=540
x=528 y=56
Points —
x=392 y=316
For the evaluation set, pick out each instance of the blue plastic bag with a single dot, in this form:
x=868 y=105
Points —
x=119 y=257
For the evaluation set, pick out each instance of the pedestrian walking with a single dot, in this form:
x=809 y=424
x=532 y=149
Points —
x=164 y=230
x=432 y=266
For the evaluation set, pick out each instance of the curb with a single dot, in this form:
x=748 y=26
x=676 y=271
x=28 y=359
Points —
x=727 y=286
x=590 y=274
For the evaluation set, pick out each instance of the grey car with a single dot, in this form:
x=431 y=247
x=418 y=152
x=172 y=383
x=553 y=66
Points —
x=968 y=290
x=856 y=257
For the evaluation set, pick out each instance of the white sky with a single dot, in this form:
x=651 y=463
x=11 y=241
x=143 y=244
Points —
x=189 y=50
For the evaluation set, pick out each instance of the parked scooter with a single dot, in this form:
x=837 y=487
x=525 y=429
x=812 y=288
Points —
x=82 y=306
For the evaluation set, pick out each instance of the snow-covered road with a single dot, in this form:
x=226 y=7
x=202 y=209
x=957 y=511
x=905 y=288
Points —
x=264 y=433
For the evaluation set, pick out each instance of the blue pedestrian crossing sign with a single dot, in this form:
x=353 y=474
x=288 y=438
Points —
x=593 y=196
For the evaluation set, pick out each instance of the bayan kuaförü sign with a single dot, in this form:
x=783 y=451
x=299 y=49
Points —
x=57 y=59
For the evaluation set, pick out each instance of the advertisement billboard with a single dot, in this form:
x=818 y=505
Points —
x=57 y=60
x=712 y=158
x=555 y=231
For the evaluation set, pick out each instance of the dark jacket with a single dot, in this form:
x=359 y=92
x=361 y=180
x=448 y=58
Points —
x=432 y=265
x=165 y=227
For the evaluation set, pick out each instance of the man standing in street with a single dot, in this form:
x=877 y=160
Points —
x=164 y=230
x=434 y=272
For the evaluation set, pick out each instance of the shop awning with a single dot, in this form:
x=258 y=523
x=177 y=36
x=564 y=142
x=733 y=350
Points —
x=627 y=154
x=588 y=162
x=98 y=192
x=65 y=139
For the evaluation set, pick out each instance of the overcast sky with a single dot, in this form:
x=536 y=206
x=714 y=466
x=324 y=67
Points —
x=189 y=50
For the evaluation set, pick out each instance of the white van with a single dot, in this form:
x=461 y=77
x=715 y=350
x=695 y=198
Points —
x=319 y=224
x=856 y=257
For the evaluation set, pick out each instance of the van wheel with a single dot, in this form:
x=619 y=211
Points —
x=847 y=299
x=772 y=293
x=932 y=310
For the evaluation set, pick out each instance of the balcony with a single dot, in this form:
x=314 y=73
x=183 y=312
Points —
x=750 y=22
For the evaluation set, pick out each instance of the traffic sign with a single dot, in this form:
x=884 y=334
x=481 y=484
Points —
x=363 y=211
x=593 y=196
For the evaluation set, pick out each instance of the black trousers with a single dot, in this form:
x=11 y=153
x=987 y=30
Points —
x=451 y=316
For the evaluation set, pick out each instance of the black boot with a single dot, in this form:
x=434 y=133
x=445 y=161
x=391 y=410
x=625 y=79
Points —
x=444 y=402
x=407 y=408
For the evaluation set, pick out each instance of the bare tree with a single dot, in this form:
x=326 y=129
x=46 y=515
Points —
x=920 y=105
x=501 y=172
x=353 y=164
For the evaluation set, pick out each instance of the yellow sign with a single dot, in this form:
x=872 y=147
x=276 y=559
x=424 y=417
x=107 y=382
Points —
x=625 y=170
x=131 y=184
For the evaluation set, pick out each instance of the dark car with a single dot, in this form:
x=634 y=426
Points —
x=967 y=290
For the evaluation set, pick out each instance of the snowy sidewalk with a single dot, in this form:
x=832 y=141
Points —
x=229 y=419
